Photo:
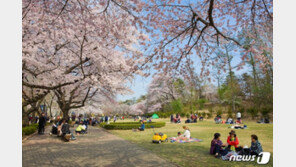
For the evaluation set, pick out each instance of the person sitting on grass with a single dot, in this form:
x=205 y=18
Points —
x=149 y=121
x=218 y=119
x=232 y=141
x=229 y=120
x=256 y=146
x=142 y=127
x=201 y=118
x=217 y=146
x=80 y=129
x=186 y=135
x=179 y=134
x=194 y=118
x=188 y=121
x=85 y=128
x=66 y=130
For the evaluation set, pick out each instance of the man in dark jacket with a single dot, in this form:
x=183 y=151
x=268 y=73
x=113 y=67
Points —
x=42 y=122
x=66 y=133
x=66 y=127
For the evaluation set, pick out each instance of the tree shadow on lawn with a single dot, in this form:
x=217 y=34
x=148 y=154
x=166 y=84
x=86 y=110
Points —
x=197 y=154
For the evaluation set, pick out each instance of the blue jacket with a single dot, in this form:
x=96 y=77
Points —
x=142 y=126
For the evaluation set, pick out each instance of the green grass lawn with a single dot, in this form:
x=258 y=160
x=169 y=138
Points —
x=197 y=153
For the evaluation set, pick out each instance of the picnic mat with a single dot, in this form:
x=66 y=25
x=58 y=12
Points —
x=174 y=139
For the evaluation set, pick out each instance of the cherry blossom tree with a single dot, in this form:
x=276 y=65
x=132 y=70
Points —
x=122 y=109
x=138 y=108
x=183 y=30
x=161 y=90
x=77 y=49
x=83 y=49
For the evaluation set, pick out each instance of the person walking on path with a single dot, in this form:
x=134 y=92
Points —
x=42 y=122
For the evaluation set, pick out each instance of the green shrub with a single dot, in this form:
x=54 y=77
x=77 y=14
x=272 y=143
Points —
x=177 y=106
x=203 y=114
x=201 y=103
x=182 y=114
x=219 y=112
x=29 y=129
x=187 y=115
x=265 y=111
x=131 y=125
x=253 y=112
x=209 y=115
x=211 y=110
x=229 y=114
x=241 y=110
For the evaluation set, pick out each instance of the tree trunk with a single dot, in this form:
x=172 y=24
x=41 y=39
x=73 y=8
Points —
x=229 y=59
x=65 y=112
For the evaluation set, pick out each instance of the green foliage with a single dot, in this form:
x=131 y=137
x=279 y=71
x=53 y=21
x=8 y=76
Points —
x=131 y=125
x=187 y=115
x=253 y=112
x=29 y=129
x=229 y=114
x=265 y=111
x=241 y=110
x=177 y=106
x=219 y=112
x=179 y=85
x=211 y=110
x=201 y=103
x=221 y=92
x=203 y=114
x=182 y=114
x=209 y=115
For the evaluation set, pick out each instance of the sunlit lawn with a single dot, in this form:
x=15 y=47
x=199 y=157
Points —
x=197 y=153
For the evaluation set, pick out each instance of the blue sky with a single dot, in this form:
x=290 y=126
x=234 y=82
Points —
x=140 y=84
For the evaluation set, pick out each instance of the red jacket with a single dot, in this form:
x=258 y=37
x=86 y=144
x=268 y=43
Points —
x=233 y=143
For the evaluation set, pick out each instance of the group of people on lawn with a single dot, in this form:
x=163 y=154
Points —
x=229 y=120
x=192 y=119
x=61 y=128
x=218 y=148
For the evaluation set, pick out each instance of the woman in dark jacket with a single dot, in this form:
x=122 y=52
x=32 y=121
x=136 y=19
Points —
x=217 y=146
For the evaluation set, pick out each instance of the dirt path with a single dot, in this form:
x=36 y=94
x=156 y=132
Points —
x=97 y=148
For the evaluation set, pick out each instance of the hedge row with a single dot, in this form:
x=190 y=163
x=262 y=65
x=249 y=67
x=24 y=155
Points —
x=135 y=122
x=131 y=125
x=29 y=129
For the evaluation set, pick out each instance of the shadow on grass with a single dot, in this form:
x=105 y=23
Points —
x=197 y=154
x=188 y=154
